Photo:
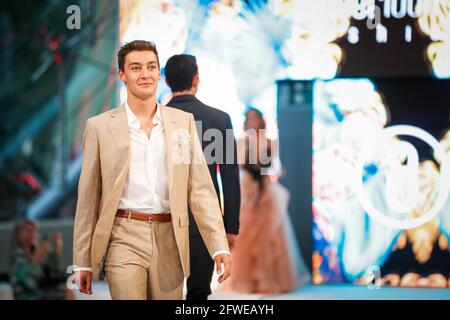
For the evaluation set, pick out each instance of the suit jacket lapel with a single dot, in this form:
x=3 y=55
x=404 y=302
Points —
x=120 y=135
x=119 y=131
x=170 y=124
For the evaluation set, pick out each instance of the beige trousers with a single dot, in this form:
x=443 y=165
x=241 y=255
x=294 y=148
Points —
x=142 y=261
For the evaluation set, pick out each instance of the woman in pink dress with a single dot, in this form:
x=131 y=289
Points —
x=261 y=259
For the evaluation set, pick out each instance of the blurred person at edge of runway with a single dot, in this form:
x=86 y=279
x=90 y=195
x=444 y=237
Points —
x=265 y=259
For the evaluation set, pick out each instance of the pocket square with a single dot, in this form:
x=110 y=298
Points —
x=183 y=139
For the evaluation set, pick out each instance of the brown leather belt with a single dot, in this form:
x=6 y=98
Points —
x=148 y=217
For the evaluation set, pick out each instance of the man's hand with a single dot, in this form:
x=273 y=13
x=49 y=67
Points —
x=83 y=279
x=226 y=260
x=231 y=240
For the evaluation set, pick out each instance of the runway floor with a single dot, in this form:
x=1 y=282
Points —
x=310 y=292
x=344 y=292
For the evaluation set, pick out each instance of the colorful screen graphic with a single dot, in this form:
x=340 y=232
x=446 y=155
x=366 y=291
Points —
x=243 y=47
x=381 y=204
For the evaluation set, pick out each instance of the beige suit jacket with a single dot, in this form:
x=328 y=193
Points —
x=104 y=172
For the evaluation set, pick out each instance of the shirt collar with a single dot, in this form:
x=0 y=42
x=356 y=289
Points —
x=133 y=121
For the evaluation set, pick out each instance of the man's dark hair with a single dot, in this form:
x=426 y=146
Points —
x=136 y=45
x=180 y=70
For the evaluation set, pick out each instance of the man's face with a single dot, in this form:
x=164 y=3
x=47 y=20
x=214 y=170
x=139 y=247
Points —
x=141 y=74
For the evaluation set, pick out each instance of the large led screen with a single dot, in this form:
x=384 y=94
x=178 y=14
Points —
x=381 y=205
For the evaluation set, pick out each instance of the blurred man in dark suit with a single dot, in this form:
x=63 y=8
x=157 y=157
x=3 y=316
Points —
x=182 y=77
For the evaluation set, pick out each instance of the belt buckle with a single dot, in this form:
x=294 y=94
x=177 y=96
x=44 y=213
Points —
x=149 y=217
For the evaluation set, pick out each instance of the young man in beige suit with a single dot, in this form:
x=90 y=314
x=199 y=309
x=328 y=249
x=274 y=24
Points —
x=142 y=166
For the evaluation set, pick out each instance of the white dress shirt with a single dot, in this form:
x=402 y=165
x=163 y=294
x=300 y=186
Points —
x=147 y=189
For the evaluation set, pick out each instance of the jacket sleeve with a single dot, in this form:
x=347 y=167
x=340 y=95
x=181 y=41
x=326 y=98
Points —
x=202 y=197
x=229 y=173
x=89 y=195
